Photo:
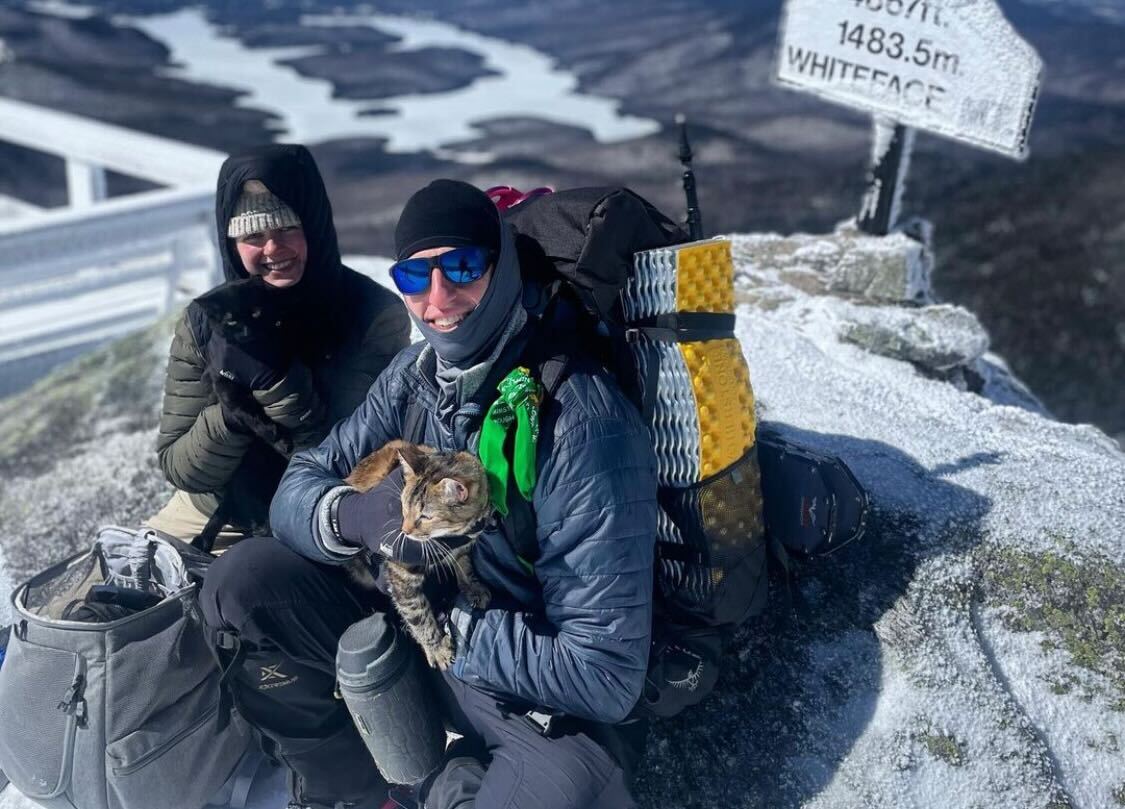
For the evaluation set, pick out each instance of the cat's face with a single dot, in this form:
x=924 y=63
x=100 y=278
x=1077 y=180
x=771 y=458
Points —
x=444 y=495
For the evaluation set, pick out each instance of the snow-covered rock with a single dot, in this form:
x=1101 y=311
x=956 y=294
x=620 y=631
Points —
x=969 y=652
x=937 y=337
x=890 y=268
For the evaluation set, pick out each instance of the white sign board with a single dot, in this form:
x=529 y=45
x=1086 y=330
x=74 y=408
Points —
x=954 y=67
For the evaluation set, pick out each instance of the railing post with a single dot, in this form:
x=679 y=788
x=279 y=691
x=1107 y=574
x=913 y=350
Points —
x=214 y=259
x=182 y=250
x=85 y=183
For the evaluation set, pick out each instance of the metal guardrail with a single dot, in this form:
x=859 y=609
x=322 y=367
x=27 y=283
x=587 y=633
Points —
x=40 y=252
x=108 y=146
x=66 y=274
x=72 y=278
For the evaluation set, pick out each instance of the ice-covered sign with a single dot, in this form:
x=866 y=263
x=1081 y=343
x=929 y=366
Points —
x=954 y=67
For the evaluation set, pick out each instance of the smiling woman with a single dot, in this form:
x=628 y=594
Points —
x=268 y=236
x=265 y=363
x=278 y=256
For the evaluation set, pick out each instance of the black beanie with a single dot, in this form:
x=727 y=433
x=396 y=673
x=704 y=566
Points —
x=447 y=213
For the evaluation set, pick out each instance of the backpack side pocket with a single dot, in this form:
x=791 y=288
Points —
x=177 y=759
x=42 y=707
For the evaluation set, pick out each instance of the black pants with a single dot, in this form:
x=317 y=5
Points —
x=505 y=762
x=289 y=613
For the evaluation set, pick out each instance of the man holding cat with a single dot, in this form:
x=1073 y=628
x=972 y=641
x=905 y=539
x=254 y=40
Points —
x=567 y=638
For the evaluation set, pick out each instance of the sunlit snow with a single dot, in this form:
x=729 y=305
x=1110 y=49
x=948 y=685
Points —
x=528 y=84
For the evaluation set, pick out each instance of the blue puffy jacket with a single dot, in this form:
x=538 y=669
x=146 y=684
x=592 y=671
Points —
x=574 y=635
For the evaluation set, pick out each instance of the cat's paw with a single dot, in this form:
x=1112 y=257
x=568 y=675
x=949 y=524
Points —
x=479 y=596
x=441 y=656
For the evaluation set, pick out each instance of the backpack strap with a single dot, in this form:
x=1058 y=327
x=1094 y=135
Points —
x=412 y=423
x=519 y=528
x=553 y=368
x=229 y=652
x=682 y=327
x=680 y=552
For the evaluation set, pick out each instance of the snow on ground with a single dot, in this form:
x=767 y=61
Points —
x=968 y=652
x=936 y=704
x=10 y=207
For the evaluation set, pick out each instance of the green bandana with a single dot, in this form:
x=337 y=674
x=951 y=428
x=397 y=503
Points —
x=518 y=404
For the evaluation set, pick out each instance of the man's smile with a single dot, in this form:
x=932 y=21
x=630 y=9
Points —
x=447 y=322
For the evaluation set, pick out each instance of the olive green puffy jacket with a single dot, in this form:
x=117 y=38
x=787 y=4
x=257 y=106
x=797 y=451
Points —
x=201 y=455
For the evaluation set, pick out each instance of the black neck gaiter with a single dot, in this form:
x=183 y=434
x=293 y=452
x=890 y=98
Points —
x=476 y=338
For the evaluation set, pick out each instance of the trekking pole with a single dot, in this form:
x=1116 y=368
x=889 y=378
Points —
x=694 y=217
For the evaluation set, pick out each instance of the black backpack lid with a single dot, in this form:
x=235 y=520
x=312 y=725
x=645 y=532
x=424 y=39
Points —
x=588 y=237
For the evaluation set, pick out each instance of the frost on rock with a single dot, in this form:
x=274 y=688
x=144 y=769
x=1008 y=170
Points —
x=882 y=268
x=1000 y=385
x=77 y=451
x=936 y=337
x=966 y=653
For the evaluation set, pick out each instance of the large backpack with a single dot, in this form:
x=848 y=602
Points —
x=116 y=704
x=582 y=247
x=610 y=259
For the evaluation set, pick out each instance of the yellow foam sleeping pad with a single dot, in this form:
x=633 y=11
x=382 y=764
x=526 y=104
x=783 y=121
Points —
x=713 y=381
x=681 y=301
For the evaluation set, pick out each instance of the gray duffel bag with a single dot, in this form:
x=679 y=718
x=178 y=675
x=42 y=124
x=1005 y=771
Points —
x=111 y=708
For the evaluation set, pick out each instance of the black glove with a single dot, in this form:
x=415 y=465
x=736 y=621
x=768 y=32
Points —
x=253 y=362
x=248 y=341
x=242 y=414
x=373 y=519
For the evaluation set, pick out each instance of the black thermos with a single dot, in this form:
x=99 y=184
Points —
x=384 y=682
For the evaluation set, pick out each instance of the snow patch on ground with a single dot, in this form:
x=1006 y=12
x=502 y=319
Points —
x=1087 y=734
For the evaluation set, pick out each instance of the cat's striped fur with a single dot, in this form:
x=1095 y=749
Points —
x=444 y=494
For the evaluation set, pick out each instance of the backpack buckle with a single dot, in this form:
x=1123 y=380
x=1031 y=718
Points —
x=540 y=722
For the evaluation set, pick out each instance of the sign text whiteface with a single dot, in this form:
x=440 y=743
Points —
x=954 y=67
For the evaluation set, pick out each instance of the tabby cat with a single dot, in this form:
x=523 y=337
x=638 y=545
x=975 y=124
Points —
x=444 y=495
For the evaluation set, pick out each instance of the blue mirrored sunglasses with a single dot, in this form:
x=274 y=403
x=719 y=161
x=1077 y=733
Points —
x=462 y=265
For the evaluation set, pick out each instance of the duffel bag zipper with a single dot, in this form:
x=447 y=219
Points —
x=157 y=752
x=74 y=702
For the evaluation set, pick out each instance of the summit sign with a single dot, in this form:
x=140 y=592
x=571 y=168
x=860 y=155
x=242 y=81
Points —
x=952 y=67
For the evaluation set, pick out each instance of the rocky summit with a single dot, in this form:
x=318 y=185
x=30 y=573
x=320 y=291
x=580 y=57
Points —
x=968 y=652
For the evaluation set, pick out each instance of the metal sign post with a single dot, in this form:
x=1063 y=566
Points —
x=891 y=147
x=952 y=67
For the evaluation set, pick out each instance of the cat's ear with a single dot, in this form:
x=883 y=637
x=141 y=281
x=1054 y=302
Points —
x=454 y=490
x=407 y=468
x=413 y=457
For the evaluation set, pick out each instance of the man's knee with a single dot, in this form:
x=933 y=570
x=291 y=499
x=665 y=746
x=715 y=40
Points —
x=287 y=614
x=261 y=576
x=250 y=573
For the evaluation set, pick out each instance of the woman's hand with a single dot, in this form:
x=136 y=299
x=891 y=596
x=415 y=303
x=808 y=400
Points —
x=247 y=342
x=254 y=362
